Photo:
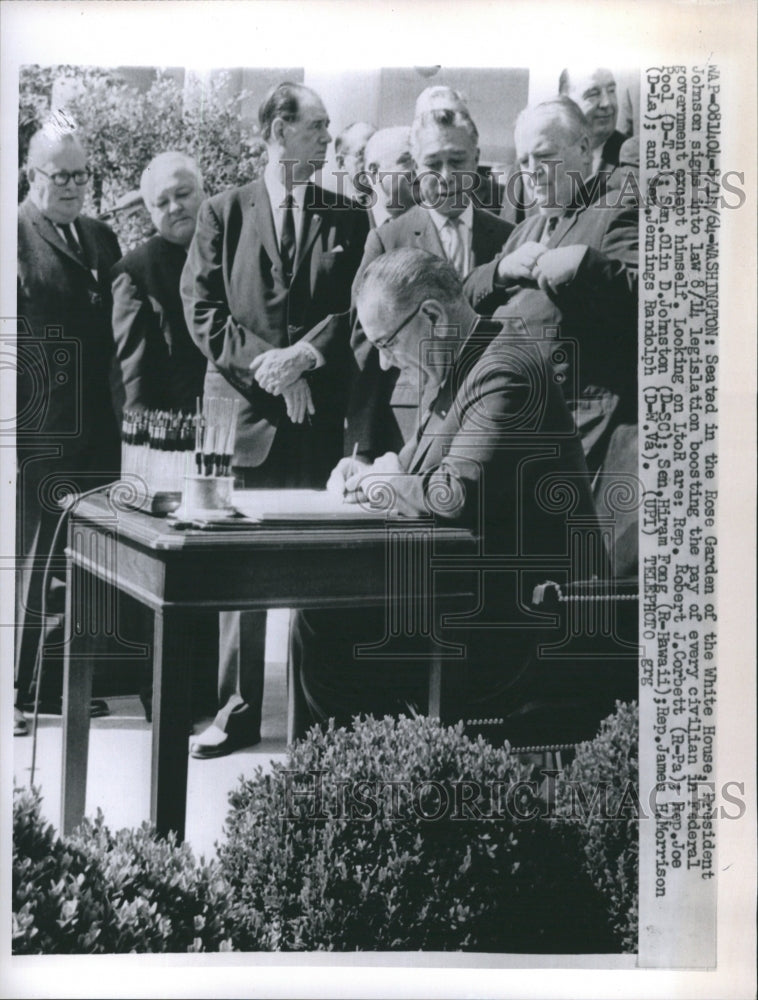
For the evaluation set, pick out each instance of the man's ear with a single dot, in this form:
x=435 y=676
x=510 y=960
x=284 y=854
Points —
x=277 y=130
x=435 y=311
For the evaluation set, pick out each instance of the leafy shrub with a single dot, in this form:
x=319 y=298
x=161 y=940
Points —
x=126 y=128
x=100 y=892
x=334 y=851
x=60 y=905
x=606 y=768
x=162 y=900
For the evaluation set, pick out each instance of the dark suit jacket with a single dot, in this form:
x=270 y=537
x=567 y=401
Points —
x=497 y=452
x=237 y=306
x=65 y=341
x=382 y=408
x=161 y=366
x=597 y=311
x=494 y=446
x=67 y=436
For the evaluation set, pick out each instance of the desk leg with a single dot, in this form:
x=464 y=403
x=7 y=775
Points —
x=173 y=634
x=435 y=686
x=77 y=694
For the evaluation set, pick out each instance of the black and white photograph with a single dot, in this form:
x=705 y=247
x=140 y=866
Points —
x=378 y=500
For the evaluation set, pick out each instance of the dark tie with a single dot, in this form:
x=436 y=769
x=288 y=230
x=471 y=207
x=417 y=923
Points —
x=550 y=225
x=288 y=238
x=73 y=244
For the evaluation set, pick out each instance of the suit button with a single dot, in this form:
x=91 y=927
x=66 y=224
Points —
x=443 y=413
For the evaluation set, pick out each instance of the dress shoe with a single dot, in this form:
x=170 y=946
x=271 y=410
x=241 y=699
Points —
x=214 y=742
x=54 y=706
x=20 y=725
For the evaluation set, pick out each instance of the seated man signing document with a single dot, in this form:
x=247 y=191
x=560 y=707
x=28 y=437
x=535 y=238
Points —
x=494 y=447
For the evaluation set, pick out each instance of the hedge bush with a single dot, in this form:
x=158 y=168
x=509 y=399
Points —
x=336 y=873
x=100 y=892
x=396 y=835
x=608 y=769
x=60 y=904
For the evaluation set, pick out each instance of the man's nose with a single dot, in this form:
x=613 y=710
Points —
x=604 y=101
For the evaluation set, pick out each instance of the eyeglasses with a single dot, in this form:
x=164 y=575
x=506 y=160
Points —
x=61 y=177
x=385 y=343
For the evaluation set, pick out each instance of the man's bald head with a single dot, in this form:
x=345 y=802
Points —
x=389 y=168
x=594 y=90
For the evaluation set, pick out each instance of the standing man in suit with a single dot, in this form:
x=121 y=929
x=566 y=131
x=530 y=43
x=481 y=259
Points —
x=161 y=366
x=570 y=273
x=67 y=438
x=445 y=222
x=494 y=432
x=269 y=264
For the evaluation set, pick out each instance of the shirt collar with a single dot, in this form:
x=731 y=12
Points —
x=466 y=218
x=380 y=213
x=277 y=191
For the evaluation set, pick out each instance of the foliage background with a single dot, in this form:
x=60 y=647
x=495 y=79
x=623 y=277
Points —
x=125 y=128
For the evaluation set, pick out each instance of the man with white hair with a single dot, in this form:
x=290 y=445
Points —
x=493 y=431
x=66 y=429
x=161 y=367
x=569 y=273
x=389 y=173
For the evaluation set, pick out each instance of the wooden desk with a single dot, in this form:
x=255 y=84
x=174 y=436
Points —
x=180 y=574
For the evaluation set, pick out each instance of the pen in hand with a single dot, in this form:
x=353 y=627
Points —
x=353 y=471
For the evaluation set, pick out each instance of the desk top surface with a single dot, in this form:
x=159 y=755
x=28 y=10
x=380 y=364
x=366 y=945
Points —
x=105 y=512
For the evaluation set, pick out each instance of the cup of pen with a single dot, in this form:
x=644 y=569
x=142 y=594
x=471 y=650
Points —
x=207 y=492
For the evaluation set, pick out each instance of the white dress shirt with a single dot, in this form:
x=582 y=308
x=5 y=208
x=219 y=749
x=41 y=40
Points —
x=277 y=195
x=465 y=228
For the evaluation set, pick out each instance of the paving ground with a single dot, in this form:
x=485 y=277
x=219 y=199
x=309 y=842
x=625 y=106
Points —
x=119 y=758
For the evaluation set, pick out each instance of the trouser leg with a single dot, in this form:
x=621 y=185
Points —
x=242 y=643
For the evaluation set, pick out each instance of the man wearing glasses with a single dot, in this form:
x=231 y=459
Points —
x=495 y=445
x=67 y=438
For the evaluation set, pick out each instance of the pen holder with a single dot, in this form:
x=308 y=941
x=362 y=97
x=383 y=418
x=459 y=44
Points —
x=205 y=495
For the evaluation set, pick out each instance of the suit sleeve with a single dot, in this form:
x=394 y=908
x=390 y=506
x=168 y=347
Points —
x=361 y=347
x=606 y=280
x=472 y=478
x=228 y=344
x=480 y=288
x=137 y=336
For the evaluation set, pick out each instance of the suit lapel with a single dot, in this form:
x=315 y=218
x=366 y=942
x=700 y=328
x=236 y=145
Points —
x=425 y=233
x=484 y=244
x=565 y=224
x=264 y=221
x=50 y=234
x=312 y=223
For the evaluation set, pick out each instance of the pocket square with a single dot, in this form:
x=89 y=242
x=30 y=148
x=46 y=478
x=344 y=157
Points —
x=339 y=249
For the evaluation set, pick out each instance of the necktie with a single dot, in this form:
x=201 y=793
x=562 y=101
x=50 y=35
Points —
x=288 y=238
x=73 y=244
x=455 y=251
x=549 y=229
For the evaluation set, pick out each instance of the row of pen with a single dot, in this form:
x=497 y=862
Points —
x=161 y=447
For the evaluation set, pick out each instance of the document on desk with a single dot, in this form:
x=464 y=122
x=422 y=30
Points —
x=304 y=506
